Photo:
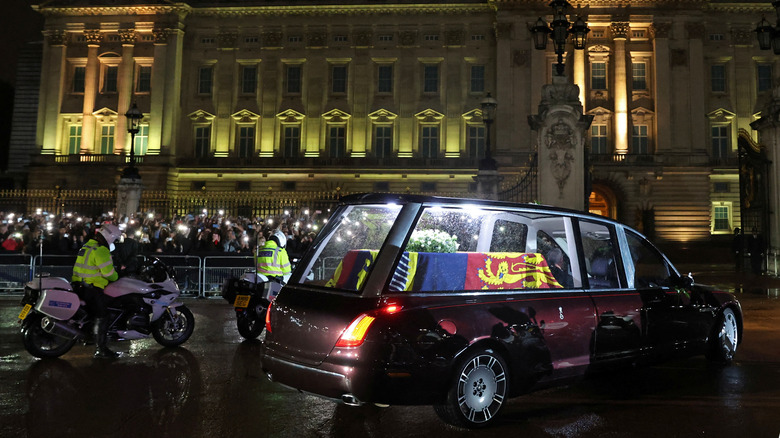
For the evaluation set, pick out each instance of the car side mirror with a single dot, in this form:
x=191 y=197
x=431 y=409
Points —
x=685 y=281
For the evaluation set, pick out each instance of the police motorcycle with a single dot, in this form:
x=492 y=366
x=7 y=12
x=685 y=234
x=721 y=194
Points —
x=54 y=317
x=250 y=295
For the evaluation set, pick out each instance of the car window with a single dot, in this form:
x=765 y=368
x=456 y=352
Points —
x=354 y=237
x=650 y=268
x=463 y=249
x=600 y=250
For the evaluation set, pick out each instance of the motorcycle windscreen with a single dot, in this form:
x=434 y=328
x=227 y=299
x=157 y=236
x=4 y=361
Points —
x=305 y=325
x=59 y=304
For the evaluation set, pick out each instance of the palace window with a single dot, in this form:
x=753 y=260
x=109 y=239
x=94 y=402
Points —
x=721 y=141
x=430 y=78
x=598 y=139
x=639 y=140
x=383 y=141
x=107 y=139
x=246 y=141
x=202 y=141
x=141 y=144
x=764 y=73
x=429 y=141
x=721 y=215
x=248 y=79
x=598 y=75
x=110 y=79
x=144 y=81
x=205 y=79
x=718 y=78
x=384 y=78
x=337 y=142
x=293 y=80
x=79 y=79
x=338 y=79
x=639 y=75
x=475 y=137
x=74 y=139
x=477 y=83
x=291 y=141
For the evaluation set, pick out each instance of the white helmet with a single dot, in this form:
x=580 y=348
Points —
x=110 y=232
x=281 y=238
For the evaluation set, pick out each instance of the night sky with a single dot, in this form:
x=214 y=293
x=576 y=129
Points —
x=19 y=24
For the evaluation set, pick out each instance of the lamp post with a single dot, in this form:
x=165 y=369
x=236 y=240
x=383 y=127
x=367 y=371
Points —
x=488 y=105
x=559 y=31
x=134 y=117
x=768 y=36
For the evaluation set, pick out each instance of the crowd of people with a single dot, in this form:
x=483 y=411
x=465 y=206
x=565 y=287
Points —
x=192 y=234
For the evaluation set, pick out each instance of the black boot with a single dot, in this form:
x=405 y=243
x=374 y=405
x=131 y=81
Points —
x=101 y=337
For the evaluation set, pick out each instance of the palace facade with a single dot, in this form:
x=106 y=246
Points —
x=385 y=96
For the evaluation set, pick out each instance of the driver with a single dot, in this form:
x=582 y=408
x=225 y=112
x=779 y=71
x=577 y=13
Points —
x=93 y=271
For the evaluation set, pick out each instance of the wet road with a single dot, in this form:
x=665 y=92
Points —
x=213 y=387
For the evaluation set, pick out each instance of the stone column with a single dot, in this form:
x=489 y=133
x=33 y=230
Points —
x=768 y=127
x=620 y=33
x=52 y=89
x=159 y=74
x=125 y=86
x=172 y=107
x=560 y=143
x=128 y=195
x=663 y=95
x=579 y=74
x=91 y=84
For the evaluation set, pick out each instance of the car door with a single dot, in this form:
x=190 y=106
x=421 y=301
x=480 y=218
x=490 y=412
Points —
x=619 y=328
x=674 y=318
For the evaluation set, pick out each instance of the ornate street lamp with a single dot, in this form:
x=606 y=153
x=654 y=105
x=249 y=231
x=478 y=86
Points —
x=768 y=36
x=134 y=117
x=488 y=105
x=559 y=31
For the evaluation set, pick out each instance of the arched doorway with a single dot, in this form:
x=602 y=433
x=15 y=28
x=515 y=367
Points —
x=602 y=201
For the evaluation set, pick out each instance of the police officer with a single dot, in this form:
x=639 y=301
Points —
x=94 y=270
x=272 y=259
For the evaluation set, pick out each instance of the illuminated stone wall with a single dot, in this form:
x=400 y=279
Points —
x=214 y=85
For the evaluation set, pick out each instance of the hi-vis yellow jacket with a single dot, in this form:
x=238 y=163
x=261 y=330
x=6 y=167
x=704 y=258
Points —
x=94 y=265
x=272 y=260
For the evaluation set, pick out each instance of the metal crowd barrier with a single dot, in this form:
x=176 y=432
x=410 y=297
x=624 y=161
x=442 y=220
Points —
x=15 y=271
x=217 y=269
x=196 y=276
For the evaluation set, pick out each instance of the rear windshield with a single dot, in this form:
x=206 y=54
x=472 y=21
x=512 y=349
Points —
x=355 y=236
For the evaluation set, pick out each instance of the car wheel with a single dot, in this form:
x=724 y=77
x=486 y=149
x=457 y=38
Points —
x=724 y=339
x=477 y=391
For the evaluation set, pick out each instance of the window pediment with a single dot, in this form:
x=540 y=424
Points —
x=382 y=116
x=201 y=116
x=336 y=116
x=430 y=116
x=721 y=115
x=290 y=116
x=245 y=116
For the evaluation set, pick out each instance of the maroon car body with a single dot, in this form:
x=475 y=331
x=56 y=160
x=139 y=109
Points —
x=462 y=304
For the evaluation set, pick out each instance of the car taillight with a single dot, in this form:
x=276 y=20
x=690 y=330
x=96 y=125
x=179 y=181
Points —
x=355 y=334
x=268 y=317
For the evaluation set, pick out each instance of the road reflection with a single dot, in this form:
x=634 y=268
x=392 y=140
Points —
x=158 y=396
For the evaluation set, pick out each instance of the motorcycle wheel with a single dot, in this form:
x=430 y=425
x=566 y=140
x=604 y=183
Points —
x=175 y=328
x=249 y=325
x=42 y=344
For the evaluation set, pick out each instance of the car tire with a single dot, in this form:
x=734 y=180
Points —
x=724 y=338
x=477 y=392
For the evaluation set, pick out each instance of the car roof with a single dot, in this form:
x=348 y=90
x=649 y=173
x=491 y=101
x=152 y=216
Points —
x=398 y=198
